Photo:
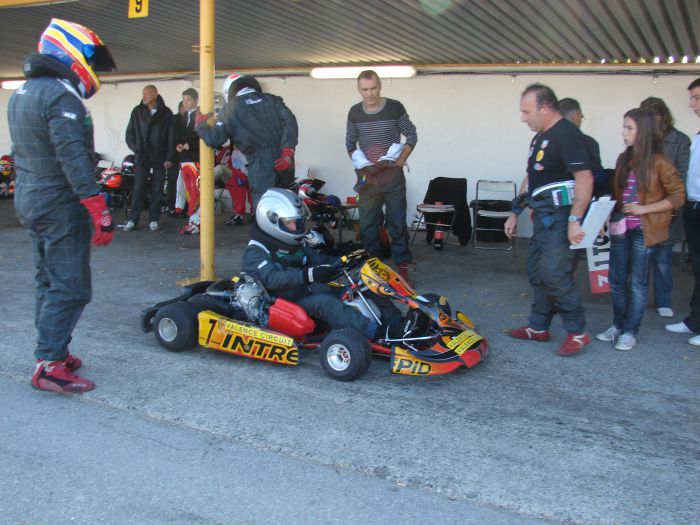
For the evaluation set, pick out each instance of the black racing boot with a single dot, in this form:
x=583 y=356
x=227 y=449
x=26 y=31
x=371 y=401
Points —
x=398 y=329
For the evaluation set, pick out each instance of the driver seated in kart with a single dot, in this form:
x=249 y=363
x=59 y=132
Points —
x=280 y=258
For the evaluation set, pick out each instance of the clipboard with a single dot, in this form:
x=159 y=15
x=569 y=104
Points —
x=598 y=213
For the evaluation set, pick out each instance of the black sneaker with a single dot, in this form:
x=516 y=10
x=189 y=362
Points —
x=235 y=220
x=399 y=329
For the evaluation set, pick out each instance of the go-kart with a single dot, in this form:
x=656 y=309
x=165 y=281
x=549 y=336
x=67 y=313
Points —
x=239 y=317
x=7 y=176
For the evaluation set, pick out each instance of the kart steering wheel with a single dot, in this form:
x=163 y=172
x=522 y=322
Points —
x=354 y=260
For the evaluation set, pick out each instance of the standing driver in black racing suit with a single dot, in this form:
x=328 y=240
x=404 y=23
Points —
x=57 y=197
x=262 y=127
x=281 y=260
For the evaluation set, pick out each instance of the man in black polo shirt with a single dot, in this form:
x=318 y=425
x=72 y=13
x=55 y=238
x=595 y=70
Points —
x=558 y=188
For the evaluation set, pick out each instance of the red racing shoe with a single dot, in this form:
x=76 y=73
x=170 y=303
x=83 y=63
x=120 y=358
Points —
x=55 y=376
x=72 y=362
x=525 y=332
x=574 y=343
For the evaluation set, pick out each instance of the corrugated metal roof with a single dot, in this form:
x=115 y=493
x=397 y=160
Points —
x=288 y=34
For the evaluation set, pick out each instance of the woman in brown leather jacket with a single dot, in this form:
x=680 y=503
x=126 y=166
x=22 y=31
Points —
x=647 y=188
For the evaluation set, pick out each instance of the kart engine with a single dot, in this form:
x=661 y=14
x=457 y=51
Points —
x=250 y=295
x=245 y=298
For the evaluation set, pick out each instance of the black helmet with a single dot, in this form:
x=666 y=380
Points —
x=235 y=82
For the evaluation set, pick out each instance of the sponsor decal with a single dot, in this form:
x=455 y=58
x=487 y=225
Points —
x=404 y=363
x=246 y=340
x=538 y=166
x=232 y=327
x=464 y=341
x=545 y=143
x=599 y=264
x=70 y=115
x=540 y=155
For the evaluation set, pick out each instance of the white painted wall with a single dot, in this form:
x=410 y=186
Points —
x=468 y=125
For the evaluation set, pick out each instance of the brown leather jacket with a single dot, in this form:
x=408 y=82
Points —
x=665 y=183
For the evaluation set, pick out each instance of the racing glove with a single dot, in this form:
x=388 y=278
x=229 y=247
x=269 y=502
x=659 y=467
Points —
x=101 y=219
x=321 y=274
x=286 y=160
x=199 y=118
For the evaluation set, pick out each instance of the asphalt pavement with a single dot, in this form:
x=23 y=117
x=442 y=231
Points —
x=204 y=437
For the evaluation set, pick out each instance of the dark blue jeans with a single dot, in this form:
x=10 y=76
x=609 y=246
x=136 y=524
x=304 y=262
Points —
x=661 y=260
x=61 y=245
x=372 y=217
x=691 y=224
x=550 y=265
x=629 y=280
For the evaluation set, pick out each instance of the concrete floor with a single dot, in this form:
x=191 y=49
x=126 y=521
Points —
x=203 y=437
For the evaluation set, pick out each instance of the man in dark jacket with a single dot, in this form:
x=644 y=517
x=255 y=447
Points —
x=57 y=197
x=262 y=127
x=151 y=136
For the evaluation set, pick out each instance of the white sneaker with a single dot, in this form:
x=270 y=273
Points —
x=129 y=226
x=153 y=226
x=609 y=336
x=695 y=340
x=664 y=312
x=678 y=328
x=626 y=341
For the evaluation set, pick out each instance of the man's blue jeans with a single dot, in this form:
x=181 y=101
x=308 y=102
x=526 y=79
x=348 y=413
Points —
x=629 y=280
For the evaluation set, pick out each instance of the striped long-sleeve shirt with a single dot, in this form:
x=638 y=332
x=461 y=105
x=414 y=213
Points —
x=376 y=132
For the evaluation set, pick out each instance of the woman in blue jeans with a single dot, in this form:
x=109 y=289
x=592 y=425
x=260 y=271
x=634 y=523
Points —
x=647 y=188
x=676 y=146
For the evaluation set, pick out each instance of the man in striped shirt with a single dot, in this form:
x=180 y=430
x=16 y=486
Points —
x=374 y=127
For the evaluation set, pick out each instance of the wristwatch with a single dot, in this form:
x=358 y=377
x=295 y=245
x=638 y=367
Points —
x=574 y=218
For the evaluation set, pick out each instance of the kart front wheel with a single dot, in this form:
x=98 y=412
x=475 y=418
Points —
x=175 y=326
x=345 y=354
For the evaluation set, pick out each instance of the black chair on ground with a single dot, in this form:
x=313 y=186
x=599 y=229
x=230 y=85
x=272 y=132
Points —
x=452 y=213
x=492 y=207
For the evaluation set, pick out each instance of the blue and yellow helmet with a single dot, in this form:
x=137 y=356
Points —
x=81 y=49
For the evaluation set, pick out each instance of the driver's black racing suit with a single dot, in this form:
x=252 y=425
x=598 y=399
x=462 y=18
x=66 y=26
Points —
x=281 y=269
x=261 y=125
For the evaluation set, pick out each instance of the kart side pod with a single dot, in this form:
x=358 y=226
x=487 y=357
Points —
x=289 y=318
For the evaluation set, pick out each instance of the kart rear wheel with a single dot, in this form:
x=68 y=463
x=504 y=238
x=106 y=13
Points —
x=175 y=326
x=345 y=354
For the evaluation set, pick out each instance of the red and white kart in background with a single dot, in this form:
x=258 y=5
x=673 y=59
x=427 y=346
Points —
x=7 y=176
x=239 y=317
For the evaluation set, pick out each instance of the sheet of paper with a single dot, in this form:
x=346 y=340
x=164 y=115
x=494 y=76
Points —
x=598 y=213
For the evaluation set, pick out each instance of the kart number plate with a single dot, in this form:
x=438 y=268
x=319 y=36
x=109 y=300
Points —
x=463 y=341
